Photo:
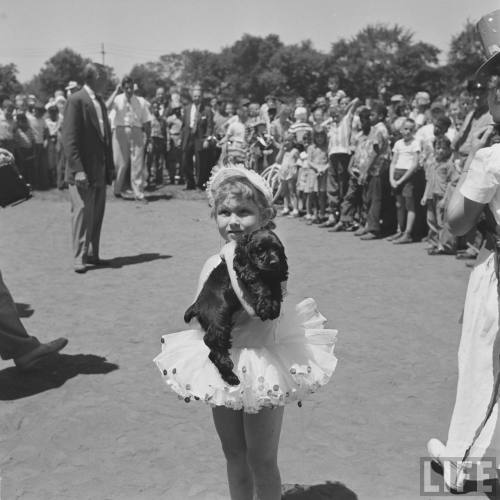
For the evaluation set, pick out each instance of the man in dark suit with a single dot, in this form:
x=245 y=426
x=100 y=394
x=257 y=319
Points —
x=189 y=124
x=203 y=147
x=87 y=146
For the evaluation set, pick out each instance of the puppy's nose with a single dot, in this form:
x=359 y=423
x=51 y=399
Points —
x=273 y=260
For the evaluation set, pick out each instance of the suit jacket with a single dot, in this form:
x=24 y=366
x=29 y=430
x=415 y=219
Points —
x=85 y=147
x=204 y=127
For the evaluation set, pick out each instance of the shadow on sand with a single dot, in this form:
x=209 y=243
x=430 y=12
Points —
x=51 y=373
x=24 y=310
x=130 y=260
x=326 y=491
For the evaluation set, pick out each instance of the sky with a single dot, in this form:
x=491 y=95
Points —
x=137 y=31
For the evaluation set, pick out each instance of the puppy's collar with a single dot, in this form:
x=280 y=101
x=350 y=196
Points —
x=220 y=174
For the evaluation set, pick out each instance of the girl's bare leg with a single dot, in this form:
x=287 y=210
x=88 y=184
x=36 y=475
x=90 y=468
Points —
x=262 y=434
x=231 y=430
x=292 y=188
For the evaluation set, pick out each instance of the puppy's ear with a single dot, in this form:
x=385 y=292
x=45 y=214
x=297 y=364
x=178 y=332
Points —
x=240 y=253
x=190 y=313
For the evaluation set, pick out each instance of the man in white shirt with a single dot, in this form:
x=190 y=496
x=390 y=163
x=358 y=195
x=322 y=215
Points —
x=131 y=121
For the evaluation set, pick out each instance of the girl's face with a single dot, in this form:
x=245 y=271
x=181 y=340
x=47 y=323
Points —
x=320 y=140
x=407 y=130
x=236 y=216
x=442 y=152
x=318 y=115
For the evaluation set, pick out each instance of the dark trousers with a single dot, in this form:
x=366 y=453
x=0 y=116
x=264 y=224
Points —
x=372 y=201
x=188 y=166
x=87 y=212
x=174 y=162
x=156 y=159
x=337 y=180
x=205 y=160
x=14 y=340
x=353 y=201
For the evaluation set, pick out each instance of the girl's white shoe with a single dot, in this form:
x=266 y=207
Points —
x=453 y=470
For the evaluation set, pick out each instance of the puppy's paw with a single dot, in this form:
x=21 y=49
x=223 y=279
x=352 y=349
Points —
x=231 y=378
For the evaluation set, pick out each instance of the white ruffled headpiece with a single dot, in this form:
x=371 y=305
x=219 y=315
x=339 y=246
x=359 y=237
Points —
x=222 y=173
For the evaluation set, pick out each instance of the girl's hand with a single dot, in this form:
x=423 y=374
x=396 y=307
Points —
x=394 y=183
x=423 y=201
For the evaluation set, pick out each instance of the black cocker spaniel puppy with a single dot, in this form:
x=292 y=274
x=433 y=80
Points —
x=261 y=265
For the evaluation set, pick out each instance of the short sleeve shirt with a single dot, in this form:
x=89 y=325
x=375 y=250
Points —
x=133 y=113
x=407 y=153
x=483 y=179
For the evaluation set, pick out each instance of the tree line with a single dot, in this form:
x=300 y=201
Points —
x=379 y=58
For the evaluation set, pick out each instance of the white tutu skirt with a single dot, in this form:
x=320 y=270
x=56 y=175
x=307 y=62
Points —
x=276 y=361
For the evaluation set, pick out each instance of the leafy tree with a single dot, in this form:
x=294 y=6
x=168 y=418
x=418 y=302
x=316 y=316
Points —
x=246 y=61
x=9 y=84
x=298 y=70
x=465 y=55
x=149 y=77
x=62 y=67
x=380 y=53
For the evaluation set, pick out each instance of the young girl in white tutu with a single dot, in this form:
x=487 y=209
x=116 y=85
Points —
x=276 y=361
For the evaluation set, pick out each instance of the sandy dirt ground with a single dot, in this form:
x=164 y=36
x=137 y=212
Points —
x=102 y=425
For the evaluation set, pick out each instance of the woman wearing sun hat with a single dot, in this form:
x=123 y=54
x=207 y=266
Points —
x=474 y=432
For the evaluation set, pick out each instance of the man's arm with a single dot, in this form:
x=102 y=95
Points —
x=72 y=133
x=111 y=100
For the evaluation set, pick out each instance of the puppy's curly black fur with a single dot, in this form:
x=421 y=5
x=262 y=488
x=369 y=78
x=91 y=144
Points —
x=261 y=265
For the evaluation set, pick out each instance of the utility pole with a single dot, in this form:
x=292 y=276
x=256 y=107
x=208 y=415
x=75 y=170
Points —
x=103 y=53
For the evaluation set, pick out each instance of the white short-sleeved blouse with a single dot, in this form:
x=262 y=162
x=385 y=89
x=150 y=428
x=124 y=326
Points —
x=482 y=183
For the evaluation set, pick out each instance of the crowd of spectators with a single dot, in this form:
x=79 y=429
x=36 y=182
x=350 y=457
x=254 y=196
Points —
x=379 y=168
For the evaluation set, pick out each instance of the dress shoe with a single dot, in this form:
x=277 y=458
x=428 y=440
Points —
x=328 y=223
x=466 y=256
x=361 y=231
x=80 y=268
x=340 y=226
x=29 y=360
x=454 y=473
x=369 y=236
x=98 y=262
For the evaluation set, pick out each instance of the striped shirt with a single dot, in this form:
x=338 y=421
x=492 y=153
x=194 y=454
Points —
x=299 y=130
x=340 y=135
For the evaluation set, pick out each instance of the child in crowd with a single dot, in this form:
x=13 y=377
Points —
x=275 y=360
x=157 y=148
x=315 y=185
x=40 y=134
x=300 y=127
x=24 y=140
x=55 y=155
x=372 y=183
x=362 y=158
x=441 y=175
x=174 y=150
x=339 y=152
x=287 y=158
x=404 y=163
x=302 y=173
